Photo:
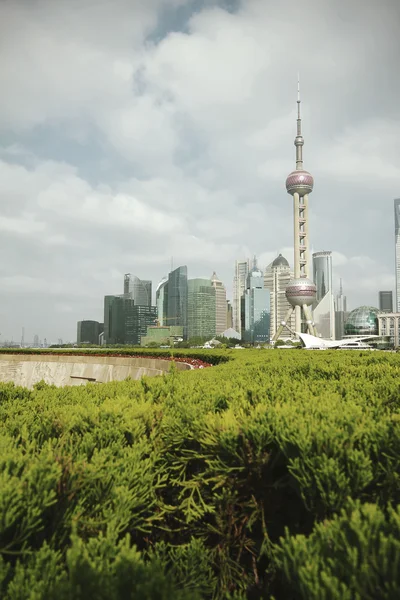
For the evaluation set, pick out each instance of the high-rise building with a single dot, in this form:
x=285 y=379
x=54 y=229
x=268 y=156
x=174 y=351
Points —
x=301 y=290
x=88 y=332
x=220 y=304
x=386 y=301
x=242 y=268
x=229 y=315
x=276 y=279
x=125 y=322
x=178 y=299
x=324 y=306
x=115 y=311
x=201 y=310
x=138 y=289
x=341 y=313
x=255 y=309
x=397 y=249
x=162 y=302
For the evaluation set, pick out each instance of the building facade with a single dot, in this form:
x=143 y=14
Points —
x=255 y=309
x=177 y=303
x=229 y=315
x=162 y=301
x=386 y=301
x=276 y=278
x=242 y=268
x=138 y=289
x=201 y=321
x=324 y=306
x=341 y=313
x=389 y=325
x=88 y=332
x=124 y=321
x=397 y=249
x=220 y=304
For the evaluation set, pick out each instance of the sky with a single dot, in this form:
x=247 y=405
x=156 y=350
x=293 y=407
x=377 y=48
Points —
x=139 y=134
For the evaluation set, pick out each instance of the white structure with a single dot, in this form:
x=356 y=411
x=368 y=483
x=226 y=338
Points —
x=324 y=307
x=231 y=333
x=340 y=313
x=389 y=324
x=242 y=268
x=397 y=249
x=220 y=304
x=301 y=292
x=276 y=279
x=311 y=342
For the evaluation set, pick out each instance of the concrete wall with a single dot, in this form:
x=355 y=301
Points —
x=28 y=369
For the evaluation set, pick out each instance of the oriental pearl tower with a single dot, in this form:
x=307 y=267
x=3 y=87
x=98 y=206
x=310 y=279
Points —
x=300 y=291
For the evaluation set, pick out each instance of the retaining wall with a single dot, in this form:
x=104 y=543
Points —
x=26 y=370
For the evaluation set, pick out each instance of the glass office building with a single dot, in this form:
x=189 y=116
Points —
x=201 y=308
x=255 y=309
x=124 y=321
x=138 y=289
x=177 y=302
x=162 y=302
x=88 y=332
x=386 y=301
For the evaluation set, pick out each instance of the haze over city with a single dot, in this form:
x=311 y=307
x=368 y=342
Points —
x=133 y=132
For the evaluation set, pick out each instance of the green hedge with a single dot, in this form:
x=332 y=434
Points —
x=272 y=475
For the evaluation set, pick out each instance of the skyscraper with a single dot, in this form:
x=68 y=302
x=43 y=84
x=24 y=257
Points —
x=125 y=322
x=220 y=304
x=255 y=308
x=276 y=278
x=324 y=306
x=340 y=313
x=88 y=332
x=300 y=291
x=397 y=249
x=386 y=301
x=162 y=301
x=239 y=285
x=178 y=299
x=138 y=289
x=201 y=314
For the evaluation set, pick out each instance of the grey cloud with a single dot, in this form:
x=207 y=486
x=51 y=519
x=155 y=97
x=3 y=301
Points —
x=136 y=132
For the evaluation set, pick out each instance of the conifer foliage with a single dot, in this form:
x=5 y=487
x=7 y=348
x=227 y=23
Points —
x=272 y=474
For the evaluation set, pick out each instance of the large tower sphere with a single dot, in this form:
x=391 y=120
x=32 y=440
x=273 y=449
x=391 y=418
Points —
x=301 y=291
x=301 y=182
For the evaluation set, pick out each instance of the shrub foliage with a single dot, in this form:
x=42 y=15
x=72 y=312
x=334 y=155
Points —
x=269 y=475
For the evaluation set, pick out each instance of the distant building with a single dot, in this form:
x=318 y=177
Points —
x=162 y=301
x=242 y=268
x=386 y=301
x=177 y=305
x=324 y=307
x=125 y=322
x=201 y=313
x=162 y=335
x=88 y=332
x=36 y=341
x=389 y=325
x=230 y=333
x=341 y=313
x=362 y=321
x=397 y=249
x=220 y=304
x=276 y=278
x=138 y=289
x=255 y=309
x=229 y=315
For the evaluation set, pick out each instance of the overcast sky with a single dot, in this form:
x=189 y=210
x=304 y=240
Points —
x=133 y=131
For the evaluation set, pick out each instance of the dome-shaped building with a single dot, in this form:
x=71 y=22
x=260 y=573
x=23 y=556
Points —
x=280 y=261
x=362 y=321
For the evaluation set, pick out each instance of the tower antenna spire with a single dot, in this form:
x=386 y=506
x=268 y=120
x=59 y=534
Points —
x=299 y=140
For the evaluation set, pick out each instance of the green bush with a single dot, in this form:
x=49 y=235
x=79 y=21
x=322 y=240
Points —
x=225 y=482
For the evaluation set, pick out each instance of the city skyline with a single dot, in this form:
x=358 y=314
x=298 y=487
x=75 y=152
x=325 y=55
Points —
x=115 y=155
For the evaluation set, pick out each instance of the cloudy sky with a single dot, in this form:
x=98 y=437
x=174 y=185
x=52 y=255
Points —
x=133 y=131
